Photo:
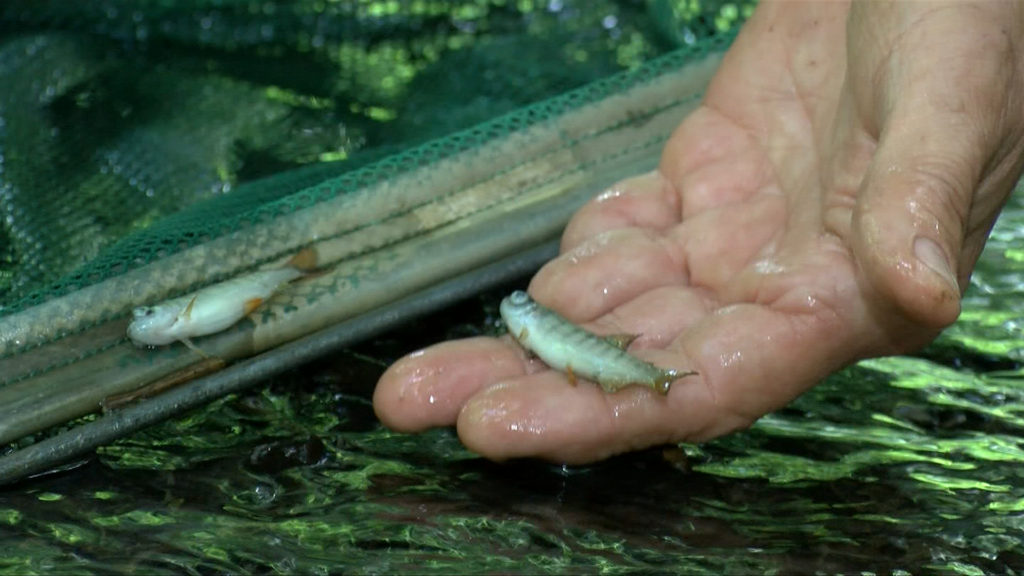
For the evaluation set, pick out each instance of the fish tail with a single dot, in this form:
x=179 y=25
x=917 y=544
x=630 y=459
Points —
x=664 y=380
x=304 y=260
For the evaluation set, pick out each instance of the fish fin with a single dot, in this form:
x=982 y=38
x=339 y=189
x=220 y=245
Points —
x=251 y=304
x=612 y=387
x=664 y=380
x=187 y=313
x=620 y=341
x=195 y=348
x=304 y=260
x=570 y=375
x=522 y=335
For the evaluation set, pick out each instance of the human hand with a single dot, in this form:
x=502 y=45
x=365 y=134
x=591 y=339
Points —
x=826 y=203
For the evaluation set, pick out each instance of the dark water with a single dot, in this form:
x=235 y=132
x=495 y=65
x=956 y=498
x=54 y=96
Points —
x=894 y=466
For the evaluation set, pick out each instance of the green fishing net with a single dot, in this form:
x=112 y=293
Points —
x=149 y=148
x=132 y=129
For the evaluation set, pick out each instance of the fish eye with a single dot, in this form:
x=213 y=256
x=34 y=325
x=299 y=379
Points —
x=142 y=311
x=519 y=298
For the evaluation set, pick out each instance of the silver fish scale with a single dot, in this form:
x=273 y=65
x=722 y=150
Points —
x=571 y=349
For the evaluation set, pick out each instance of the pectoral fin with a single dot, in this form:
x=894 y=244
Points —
x=570 y=375
x=305 y=260
x=194 y=348
x=251 y=304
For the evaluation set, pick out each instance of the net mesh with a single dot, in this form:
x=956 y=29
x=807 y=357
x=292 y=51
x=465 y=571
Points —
x=132 y=130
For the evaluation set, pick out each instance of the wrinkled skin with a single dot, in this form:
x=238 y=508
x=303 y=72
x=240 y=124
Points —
x=826 y=203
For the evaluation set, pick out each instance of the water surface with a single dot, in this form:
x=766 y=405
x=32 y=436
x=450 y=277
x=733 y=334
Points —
x=894 y=466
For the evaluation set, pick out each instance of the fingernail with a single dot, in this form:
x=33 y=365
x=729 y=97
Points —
x=928 y=252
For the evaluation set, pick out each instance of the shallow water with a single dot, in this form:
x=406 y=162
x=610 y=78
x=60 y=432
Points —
x=894 y=466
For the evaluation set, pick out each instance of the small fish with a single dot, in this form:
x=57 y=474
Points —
x=214 y=308
x=568 y=348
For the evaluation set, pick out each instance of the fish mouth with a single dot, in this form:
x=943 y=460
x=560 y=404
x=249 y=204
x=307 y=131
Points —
x=133 y=335
x=518 y=300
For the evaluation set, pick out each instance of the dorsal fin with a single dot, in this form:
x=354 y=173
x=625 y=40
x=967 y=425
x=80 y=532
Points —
x=187 y=314
x=620 y=341
x=304 y=260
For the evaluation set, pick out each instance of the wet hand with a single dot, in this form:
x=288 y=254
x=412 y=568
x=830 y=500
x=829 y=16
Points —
x=826 y=203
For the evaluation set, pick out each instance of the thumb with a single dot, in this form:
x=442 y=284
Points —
x=908 y=230
x=949 y=150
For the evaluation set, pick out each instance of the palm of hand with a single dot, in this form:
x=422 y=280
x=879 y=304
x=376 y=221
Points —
x=753 y=256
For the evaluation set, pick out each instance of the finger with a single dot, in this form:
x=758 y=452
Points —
x=943 y=130
x=727 y=183
x=721 y=243
x=426 y=389
x=607 y=270
x=544 y=416
x=754 y=359
x=702 y=139
x=655 y=317
x=907 y=233
x=713 y=163
x=751 y=360
x=616 y=267
x=910 y=219
x=645 y=201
